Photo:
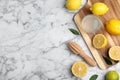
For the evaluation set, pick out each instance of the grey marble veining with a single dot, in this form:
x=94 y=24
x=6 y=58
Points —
x=33 y=41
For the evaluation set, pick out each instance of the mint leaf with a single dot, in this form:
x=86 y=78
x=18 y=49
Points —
x=107 y=60
x=93 y=77
x=75 y=32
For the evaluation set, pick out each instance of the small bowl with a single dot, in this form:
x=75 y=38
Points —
x=91 y=23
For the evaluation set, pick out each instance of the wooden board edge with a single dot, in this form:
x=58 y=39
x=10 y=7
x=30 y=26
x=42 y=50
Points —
x=93 y=51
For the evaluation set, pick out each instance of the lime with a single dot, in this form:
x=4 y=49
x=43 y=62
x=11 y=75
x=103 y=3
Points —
x=73 y=4
x=112 y=75
x=99 y=8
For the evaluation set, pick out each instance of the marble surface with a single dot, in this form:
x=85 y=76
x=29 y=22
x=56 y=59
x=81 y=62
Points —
x=33 y=41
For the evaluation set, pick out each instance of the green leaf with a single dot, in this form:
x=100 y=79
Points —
x=75 y=32
x=93 y=77
x=107 y=60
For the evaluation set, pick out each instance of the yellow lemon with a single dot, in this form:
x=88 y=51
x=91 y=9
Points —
x=99 y=8
x=113 y=26
x=112 y=75
x=99 y=41
x=114 y=52
x=79 y=69
x=73 y=4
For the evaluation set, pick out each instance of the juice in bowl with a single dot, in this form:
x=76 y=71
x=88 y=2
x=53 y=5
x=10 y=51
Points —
x=91 y=23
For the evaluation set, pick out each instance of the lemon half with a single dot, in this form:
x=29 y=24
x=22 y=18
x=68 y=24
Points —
x=79 y=69
x=100 y=41
x=114 y=52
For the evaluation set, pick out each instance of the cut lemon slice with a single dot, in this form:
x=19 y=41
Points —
x=100 y=41
x=79 y=69
x=114 y=52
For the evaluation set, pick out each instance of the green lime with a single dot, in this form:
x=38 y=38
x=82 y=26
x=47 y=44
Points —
x=112 y=75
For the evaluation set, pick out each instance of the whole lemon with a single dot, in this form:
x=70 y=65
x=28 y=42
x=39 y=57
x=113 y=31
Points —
x=112 y=75
x=113 y=26
x=73 y=4
x=99 y=8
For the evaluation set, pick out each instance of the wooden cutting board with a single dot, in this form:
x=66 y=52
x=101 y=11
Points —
x=114 y=12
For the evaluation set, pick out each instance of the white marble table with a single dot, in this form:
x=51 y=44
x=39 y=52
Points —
x=33 y=41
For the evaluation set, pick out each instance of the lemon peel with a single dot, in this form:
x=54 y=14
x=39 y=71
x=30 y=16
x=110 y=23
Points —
x=113 y=26
x=73 y=4
x=99 y=8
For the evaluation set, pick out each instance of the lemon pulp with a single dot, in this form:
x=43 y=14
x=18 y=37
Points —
x=79 y=69
x=99 y=41
x=114 y=52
